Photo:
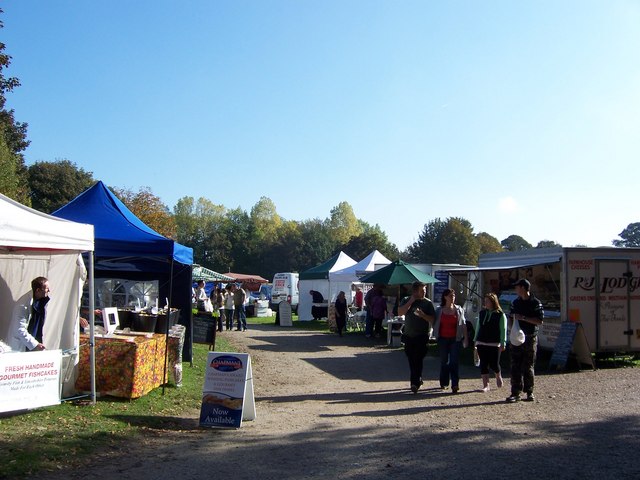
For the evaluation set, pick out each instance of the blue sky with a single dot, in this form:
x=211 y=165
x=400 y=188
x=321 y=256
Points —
x=521 y=117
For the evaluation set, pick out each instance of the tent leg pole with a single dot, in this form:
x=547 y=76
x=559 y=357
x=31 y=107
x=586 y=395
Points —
x=166 y=333
x=92 y=322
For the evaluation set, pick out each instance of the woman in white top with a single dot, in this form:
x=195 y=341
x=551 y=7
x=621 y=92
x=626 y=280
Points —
x=201 y=296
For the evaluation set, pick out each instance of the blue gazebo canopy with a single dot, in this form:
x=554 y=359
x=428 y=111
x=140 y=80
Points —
x=118 y=232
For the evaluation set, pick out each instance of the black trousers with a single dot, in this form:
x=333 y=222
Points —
x=415 y=348
x=489 y=359
x=523 y=361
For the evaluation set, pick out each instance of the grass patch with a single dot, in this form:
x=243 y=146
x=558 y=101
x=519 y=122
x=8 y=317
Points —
x=55 y=437
x=617 y=360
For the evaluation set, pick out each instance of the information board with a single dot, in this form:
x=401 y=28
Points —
x=564 y=345
x=29 y=379
x=441 y=286
x=227 y=395
x=285 y=315
x=204 y=329
x=571 y=339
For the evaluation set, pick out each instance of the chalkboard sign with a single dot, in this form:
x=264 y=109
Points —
x=284 y=312
x=204 y=329
x=564 y=345
x=571 y=339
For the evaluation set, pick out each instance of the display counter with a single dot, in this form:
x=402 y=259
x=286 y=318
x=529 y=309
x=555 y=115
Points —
x=127 y=366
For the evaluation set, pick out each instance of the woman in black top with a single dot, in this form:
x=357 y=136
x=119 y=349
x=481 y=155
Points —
x=341 y=312
x=491 y=339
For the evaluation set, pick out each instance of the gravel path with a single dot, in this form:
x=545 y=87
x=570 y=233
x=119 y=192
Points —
x=331 y=407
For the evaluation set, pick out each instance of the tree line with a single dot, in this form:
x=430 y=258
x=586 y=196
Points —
x=231 y=239
x=261 y=242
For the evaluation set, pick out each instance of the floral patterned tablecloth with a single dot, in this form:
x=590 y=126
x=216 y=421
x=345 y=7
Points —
x=127 y=366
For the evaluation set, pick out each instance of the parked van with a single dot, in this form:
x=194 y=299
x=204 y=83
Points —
x=285 y=288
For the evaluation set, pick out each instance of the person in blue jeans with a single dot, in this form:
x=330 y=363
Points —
x=450 y=330
x=239 y=297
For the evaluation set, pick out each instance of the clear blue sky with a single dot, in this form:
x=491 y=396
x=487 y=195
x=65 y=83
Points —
x=522 y=117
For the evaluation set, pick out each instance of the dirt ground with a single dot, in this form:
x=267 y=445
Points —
x=331 y=407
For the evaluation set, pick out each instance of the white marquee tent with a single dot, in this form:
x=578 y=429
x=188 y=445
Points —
x=34 y=244
x=317 y=278
x=352 y=274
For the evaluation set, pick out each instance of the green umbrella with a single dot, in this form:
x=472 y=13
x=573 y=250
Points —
x=398 y=273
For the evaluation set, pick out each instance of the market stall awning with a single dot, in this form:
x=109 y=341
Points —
x=520 y=259
x=202 y=273
x=244 y=278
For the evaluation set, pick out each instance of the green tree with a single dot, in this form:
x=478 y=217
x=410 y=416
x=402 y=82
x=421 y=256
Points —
x=514 y=243
x=450 y=241
x=186 y=222
x=316 y=244
x=629 y=237
x=8 y=171
x=423 y=250
x=488 y=243
x=371 y=238
x=148 y=208
x=343 y=223
x=54 y=184
x=265 y=220
x=460 y=244
x=547 y=244
x=285 y=254
x=14 y=138
x=203 y=226
x=237 y=228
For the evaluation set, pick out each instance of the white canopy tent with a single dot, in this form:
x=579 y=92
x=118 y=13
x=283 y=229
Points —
x=34 y=244
x=317 y=278
x=352 y=274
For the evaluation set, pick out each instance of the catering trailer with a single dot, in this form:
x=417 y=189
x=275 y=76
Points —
x=596 y=287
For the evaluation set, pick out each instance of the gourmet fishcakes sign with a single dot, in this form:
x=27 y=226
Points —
x=227 y=396
x=29 y=379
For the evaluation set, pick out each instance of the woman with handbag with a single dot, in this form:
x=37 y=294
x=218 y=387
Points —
x=450 y=330
x=491 y=339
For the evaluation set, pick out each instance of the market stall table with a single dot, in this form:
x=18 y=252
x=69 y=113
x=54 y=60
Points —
x=394 y=331
x=320 y=310
x=357 y=321
x=127 y=366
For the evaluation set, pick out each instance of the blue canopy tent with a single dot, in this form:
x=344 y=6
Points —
x=127 y=248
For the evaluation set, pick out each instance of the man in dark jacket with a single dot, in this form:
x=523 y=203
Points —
x=419 y=314
x=29 y=319
x=527 y=309
x=317 y=311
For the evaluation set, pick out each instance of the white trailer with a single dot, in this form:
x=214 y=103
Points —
x=597 y=287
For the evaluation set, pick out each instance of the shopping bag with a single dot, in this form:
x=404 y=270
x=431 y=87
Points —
x=208 y=306
x=516 y=337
